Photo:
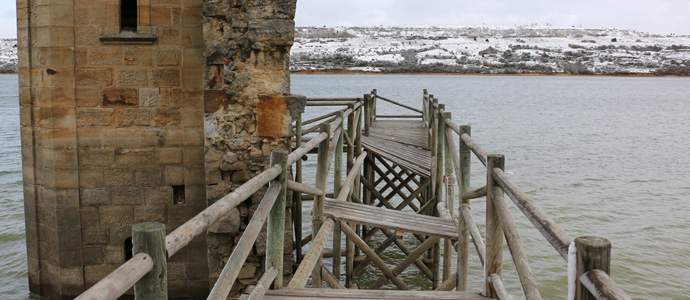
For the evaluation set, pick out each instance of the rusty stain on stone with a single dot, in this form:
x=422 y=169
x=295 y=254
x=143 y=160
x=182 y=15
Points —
x=270 y=114
x=213 y=100
x=118 y=97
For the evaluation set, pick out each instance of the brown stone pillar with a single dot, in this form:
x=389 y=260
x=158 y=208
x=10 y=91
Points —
x=248 y=112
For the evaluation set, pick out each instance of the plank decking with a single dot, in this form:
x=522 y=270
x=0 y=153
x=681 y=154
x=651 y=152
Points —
x=343 y=294
x=390 y=219
x=403 y=142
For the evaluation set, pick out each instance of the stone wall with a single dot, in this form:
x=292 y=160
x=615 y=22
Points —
x=248 y=112
x=112 y=134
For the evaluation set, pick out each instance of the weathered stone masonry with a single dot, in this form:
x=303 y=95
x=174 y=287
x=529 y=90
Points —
x=113 y=131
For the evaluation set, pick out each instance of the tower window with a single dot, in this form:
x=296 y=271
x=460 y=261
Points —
x=128 y=15
x=128 y=248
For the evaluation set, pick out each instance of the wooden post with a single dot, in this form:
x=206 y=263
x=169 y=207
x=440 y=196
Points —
x=494 y=232
x=337 y=186
x=297 y=196
x=367 y=113
x=276 y=220
x=322 y=167
x=463 y=229
x=449 y=181
x=149 y=238
x=439 y=144
x=592 y=253
x=425 y=111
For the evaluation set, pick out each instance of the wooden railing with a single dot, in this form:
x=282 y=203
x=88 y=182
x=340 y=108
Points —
x=146 y=271
x=592 y=253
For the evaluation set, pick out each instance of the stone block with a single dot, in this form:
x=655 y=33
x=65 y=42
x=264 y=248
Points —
x=86 y=35
x=193 y=137
x=122 y=137
x=161 y=15
x=96 y=157
x=133 y=77
x=93 y=274
x=138 y=56
x=174 y=175
x=90 y=77
x=115 y=215
x=89 y=216
x=150 y=176
x=120 y=97
x=176 y=271
x=87 y=97
x=127 y=195
x=168 y=57
x=169 y=156
x=149 y=97
x=119 y=177
x=168 y=36
x=93 y=256
x=150 y=214
x=127 y=117
x=94 y=196
x=104 y=56
x=166 y=116
x=91 y=177
x=96 y=236
x=89 y=137
x=113 y=254
x=165 y=77
x=194 y=156
x=160 y=195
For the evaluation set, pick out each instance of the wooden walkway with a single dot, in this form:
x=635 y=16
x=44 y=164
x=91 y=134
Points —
x=342 y=294
x=390 y=219
x=404 y=142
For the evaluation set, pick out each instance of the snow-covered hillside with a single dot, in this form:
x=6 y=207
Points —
x=489 y=49
x=8 y=56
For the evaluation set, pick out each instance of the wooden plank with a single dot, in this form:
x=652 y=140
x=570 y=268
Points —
x=304 y=293
x=264 y=283
x=391 y=219
x=227 y=277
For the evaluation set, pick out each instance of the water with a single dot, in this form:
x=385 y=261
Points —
x=602 y=156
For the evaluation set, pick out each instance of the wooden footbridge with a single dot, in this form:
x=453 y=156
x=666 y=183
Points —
x=394 y=175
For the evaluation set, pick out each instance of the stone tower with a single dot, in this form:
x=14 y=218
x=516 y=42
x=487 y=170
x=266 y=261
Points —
x=145 y=110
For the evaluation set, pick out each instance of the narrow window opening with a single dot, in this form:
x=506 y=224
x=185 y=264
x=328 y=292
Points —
x=128 y=248
x=178 y=194
x=128 y=15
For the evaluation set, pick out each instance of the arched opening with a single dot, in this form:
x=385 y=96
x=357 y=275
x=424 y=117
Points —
x=128 y=15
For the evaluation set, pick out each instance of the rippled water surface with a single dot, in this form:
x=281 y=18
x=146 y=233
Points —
x=603 y=156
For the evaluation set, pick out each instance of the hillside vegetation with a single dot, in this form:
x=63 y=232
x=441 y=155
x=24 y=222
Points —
x=489 y=49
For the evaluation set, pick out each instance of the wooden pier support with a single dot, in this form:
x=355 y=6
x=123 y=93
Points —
x=149 y=238
x=593 y=253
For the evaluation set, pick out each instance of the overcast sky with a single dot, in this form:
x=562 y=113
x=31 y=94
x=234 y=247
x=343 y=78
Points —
x=655 y=16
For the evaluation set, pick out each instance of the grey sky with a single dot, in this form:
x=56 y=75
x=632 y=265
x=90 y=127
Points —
x=655 y=16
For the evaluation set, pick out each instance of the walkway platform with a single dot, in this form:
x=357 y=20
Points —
x=343 y=294
x=390 y=219
x=404 y=142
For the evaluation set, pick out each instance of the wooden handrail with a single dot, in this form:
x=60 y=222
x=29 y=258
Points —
x=553 y=233
x=299 y=279
x=476 y=149
x=399 y=104
x=121 y=280
x=602 y=286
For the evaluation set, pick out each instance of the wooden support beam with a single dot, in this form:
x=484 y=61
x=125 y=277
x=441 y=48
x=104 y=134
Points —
x=227 y=277
x=149 y=238
x=330 y=279
x=297 y=196
x=337 y=186
x=264 y=283
x=448 y=284
x=322 y=167
x=430 y=242
x=303 y=188
x=382 y=247
x=592 y=253
x=494 y=232
x=118 y=282
x=474 y=231
x=375 y=258
x=275 y=232
x=464 y=226
x=311 y=259
x=497 y=284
